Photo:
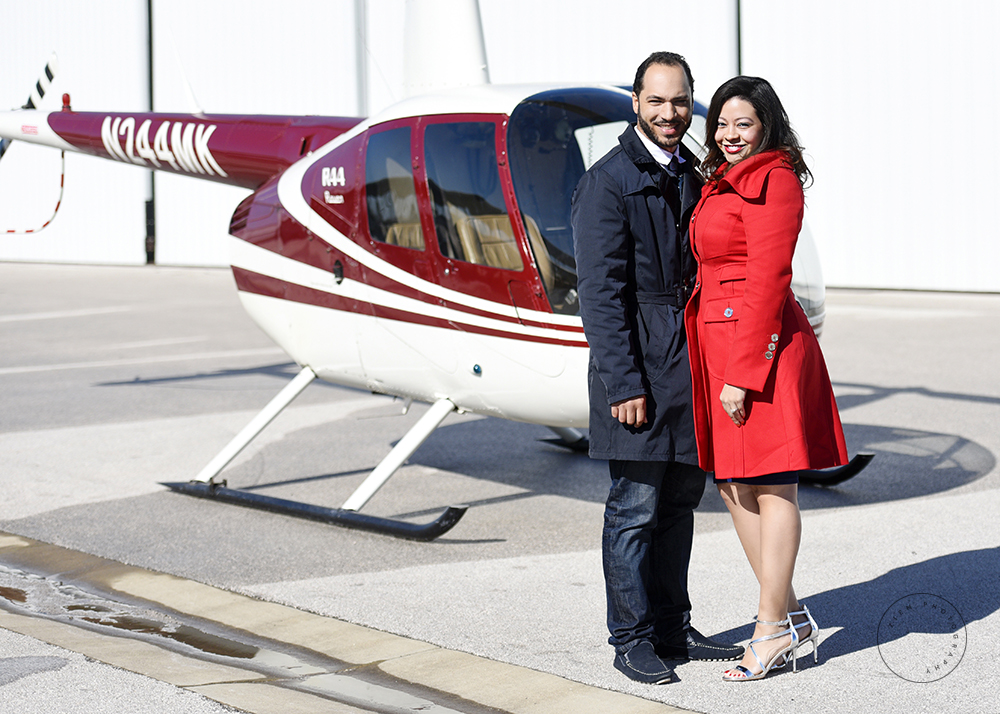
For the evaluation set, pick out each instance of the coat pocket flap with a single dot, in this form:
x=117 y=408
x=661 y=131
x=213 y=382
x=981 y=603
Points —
x=725 y=309
x=732 y=271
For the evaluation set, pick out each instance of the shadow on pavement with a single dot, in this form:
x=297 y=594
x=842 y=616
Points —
x=908 y=463
x=14 y=668
x=283 y=371
x=873 y=393
x=967 y=580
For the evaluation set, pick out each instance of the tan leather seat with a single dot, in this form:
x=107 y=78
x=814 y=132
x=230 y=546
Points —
x=542 y=259
x=489 y=240
x=408 y=235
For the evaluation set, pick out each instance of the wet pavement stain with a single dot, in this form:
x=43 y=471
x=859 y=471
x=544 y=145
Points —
x=184 y=634
x=50 y=598
x=365 y=687
x=13 y=594
x=87 y=608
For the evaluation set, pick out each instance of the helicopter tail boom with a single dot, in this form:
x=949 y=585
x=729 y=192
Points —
x=240 y=150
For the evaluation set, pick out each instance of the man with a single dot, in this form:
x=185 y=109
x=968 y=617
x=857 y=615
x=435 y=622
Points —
x=630 y=217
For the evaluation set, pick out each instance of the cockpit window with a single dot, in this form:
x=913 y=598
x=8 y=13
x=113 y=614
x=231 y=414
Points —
x=470 y=214
x=393 y=216
x=553 y=138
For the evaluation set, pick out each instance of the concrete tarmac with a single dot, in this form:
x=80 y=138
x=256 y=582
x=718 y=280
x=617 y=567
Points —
x=116 y=380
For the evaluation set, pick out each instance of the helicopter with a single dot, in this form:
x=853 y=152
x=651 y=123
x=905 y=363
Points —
x=424 y=252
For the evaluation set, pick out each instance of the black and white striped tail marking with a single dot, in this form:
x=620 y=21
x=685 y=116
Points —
x=43 y=83
x=35 y=98
x=41 y=87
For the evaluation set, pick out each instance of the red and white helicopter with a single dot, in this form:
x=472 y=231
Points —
x=424 y=252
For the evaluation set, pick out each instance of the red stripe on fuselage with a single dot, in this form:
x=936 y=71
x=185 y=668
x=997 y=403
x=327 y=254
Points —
x=304 y=249
x=256 y=283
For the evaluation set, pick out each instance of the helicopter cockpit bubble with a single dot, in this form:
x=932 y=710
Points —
x=552 y=139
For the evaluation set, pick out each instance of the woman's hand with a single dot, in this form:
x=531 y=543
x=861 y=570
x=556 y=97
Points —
x=732 y=401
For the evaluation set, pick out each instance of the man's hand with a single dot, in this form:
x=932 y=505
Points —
x=630 y=411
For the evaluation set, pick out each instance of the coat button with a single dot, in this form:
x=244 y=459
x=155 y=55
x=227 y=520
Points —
x=771 y=346
x=768 y=355
x=728 y=312
x=774 y=338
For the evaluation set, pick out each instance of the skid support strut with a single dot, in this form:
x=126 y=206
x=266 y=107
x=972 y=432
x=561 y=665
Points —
x=402 y=451
x=293 y=389
x=570 y=438
x=205 y=484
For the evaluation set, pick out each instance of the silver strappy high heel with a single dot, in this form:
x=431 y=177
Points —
x=813 y=635
x=739 y=673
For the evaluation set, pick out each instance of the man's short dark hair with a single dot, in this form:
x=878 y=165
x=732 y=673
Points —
x=671 y=59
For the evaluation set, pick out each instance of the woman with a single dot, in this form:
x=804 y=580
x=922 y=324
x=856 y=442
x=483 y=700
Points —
x=764 y=407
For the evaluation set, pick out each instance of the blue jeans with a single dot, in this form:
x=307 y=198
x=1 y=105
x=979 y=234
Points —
x=648 y=530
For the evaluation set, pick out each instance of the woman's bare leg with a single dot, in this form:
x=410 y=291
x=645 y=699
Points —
x=745 y=512
x=743 y=508
x=769 y=527
x=780 y=533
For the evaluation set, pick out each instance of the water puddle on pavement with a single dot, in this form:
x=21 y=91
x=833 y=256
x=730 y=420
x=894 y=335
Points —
x=365 y=688
x=36 y=595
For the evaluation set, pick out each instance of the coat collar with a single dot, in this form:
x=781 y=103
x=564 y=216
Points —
x=640 y=156
x=747 y=177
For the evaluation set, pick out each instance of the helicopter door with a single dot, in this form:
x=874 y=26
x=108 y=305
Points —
x=398 y=345
x=479 y=252
x=391 y=204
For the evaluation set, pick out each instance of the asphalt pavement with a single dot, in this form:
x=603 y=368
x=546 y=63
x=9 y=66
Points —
x=117 y=380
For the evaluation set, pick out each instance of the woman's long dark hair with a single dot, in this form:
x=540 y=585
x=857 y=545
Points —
x=778 y=133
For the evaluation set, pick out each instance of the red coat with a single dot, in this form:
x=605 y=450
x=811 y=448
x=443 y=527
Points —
x=745 y=328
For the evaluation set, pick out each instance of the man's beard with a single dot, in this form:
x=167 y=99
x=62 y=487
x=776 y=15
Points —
x=662 y=142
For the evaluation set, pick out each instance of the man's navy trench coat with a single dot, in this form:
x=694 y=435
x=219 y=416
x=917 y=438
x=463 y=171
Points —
x=635 y=267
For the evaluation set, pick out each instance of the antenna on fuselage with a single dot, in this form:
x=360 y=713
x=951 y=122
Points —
x=443 y=46
x=191 y=102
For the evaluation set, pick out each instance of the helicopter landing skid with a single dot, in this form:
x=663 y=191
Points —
x=205 y=484
x=334 y=516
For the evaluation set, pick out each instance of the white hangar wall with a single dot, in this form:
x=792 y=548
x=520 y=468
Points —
x=241 y=57
x=888 y=97
x=879 y=93
x=102 y=57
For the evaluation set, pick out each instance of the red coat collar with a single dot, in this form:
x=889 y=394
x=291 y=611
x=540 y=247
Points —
x=747 y=177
